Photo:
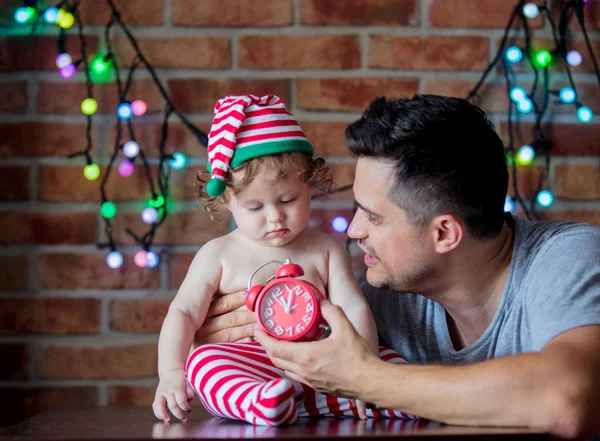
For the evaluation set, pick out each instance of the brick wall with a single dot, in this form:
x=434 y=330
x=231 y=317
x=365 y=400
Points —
x=73 y=331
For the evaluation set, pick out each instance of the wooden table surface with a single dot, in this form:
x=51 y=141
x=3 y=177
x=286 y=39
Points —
x=139 y=423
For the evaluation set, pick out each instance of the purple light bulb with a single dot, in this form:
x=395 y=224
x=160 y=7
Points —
x=126 y=168
x=67 y=71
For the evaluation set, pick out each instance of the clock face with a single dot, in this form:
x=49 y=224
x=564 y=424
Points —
x=287 y=310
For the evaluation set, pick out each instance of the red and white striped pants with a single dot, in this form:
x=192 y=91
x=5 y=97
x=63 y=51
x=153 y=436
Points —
x=228 y=377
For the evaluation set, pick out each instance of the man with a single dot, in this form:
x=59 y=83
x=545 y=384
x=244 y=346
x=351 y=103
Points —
x=503 y=326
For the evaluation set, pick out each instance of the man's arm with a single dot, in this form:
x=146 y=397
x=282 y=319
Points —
x=556 y=390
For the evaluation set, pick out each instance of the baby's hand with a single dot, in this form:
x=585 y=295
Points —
x=361 y=406
x=175 y=391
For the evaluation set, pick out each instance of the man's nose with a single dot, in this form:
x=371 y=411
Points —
x=356 y=229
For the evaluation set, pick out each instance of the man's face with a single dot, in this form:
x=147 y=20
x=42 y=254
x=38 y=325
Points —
x=397 y=253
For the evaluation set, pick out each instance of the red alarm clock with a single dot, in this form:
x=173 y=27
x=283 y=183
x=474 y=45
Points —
x=287 y=308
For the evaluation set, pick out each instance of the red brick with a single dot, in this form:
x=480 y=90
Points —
x=138 y=315
x=326 y=137
x=148 y=135
x=306 y=52
x=576 y=182
x=13 y=96
x=201 y=95
x=132 y=12
x=588 y=216
x=80 y=271
x=31 y=139
x=122 y=361
x=178 y=265
x=73 y=93
x=121 y=395
x=565 y=139
x=476 y=14
x=179 y=52
x=15 y=183
x=181 y=228
x=49 y=316
x=430 y=53
x=14 y=273
x=47 y=228
x=349 y=93
x=358 y=12
x=591 y=18
x=14 y=360
x=56 y=184
x=493 y=97
x=19 y=53
x=343 y=175
x=528 y=180
x=222 y=13
x=17 y=404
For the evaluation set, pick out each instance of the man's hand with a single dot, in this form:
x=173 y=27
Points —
x=323 y=365
x=228 y=320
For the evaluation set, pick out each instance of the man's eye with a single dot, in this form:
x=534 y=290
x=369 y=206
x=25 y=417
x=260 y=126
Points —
x=289 y=201
x=255 y=208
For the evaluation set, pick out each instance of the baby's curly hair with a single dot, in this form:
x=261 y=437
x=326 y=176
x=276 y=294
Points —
x=312 y=171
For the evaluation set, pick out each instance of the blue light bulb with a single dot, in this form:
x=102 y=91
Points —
x=584 y=114
x=509 y=204
x=151 y=259
x=567 y=95
x=124 y=111
x=525 y=105
x=518 y=94
x=514 y=54
x=51 y=15
x=339 y=224
x=545 y=198
x=531 y=10
x=114 y=259
x=179 y=161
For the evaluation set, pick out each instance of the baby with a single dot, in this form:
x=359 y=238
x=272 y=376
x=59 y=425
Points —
x=262 y=170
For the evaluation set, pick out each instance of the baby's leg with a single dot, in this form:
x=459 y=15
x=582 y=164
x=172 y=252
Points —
x=238 y=381
x=317 y=404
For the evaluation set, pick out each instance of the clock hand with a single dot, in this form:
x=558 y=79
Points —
x=284 y=304
x=289 y=299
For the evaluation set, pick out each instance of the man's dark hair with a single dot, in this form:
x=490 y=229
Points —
x=447 y=157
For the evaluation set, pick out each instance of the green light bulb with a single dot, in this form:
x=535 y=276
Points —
x=156 y=203
x=89 y=106
x=543 y=58
x=91 y=172
x=108 y=210
x=99 y=66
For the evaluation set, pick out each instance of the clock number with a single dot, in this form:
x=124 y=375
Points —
x=270 y=323
x=270 y=301
x=290 y=330
x=279 y=330
x=309 y=307
x=299 y=328
x=306 y=297
x=306 y=319
x=277 y=291
x=269 y=312
x=298 y=290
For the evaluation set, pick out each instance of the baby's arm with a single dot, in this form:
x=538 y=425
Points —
x=184 y=317
x=344 y=291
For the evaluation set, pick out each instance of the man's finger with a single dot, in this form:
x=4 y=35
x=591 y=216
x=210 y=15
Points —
x=232 y=319
x=226 y=303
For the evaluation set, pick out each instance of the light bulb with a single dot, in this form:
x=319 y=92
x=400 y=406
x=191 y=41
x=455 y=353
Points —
x=24 y=14
x=574 y=58
x=518 y=94
x=138 y=107
x=584 y=114
x=525 y=155
x=68 y=71
x=108 y=210
x=149 y=215
x=514 y=54
x=51 y=15
x=151 y=259
x=114 y=259
x=65 y=19
x=140 y=258
x=545 y=198
x=124 y=111
x=89 y=106
x=178 y=162
x=91 y=172
x=509 y=204
x=63 y=60
x=131 y=149
x=543 y=58
x=339 y=224
x=525 y=105
x=126 y=168
x=531 y=10
x=567 y=95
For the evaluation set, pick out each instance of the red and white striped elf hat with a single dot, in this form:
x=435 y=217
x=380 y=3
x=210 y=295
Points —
x=245 y=127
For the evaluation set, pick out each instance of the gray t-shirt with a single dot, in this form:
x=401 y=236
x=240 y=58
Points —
x=553 y=286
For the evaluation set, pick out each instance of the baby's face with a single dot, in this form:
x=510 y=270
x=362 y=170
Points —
x=272 y=213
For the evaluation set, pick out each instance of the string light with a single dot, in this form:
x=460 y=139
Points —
x=339 y=224
x=536 y=101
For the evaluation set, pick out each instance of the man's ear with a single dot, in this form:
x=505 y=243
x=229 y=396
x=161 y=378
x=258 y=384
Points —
x=448 y=232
